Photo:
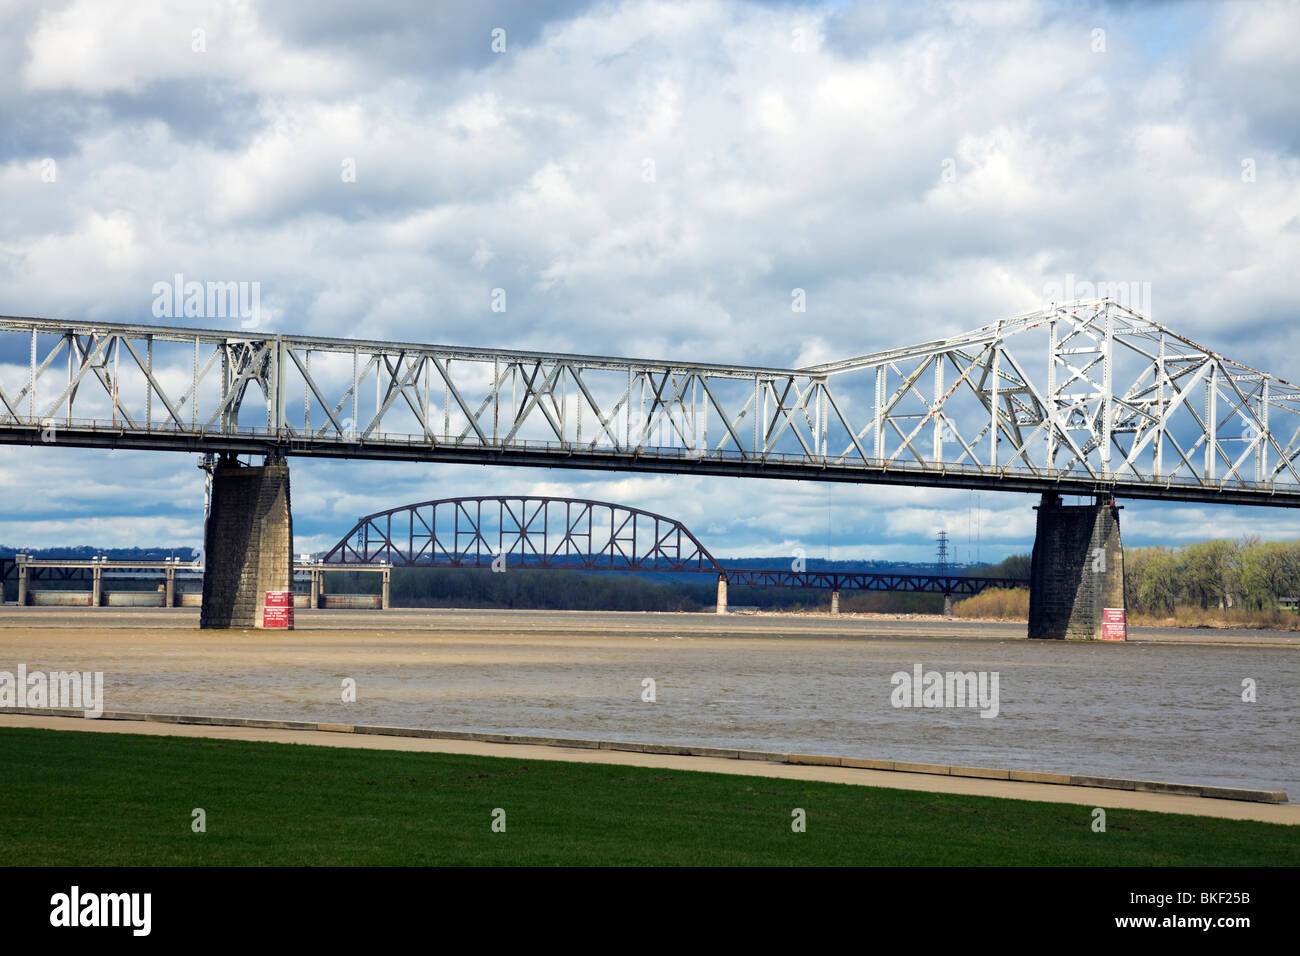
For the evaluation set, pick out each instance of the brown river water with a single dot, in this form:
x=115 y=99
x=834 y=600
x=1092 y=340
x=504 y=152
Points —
x=1165 y=706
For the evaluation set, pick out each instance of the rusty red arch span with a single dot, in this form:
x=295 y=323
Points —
x=523 y=531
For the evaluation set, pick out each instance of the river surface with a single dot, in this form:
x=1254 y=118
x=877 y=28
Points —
x=1167 y=706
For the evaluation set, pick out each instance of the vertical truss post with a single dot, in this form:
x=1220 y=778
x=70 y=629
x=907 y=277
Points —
x=117 y=351
x=225 y=387
x=995 y=361
x=306 y=396
x=277 y=393
x=1261 y=451
x=148 y=385
x=31 y=384
x=937 y=410
x=194 y=391
x=1107 y=391
x=695 y=413
x=1053 y=405
x=1158 y=464
x=821 y=418
x=71 y=341
x=704 y=401
x=356 y=387
x=879 y=421
x=1211 y=420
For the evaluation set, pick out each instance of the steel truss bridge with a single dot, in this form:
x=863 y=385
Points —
x=580 y=534
x=1087 y=398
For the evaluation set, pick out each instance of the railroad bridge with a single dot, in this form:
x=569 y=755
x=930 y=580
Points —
x=485 y=531
x=539 y=532
x=1088 y=399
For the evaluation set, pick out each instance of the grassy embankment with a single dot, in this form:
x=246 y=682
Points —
x=74 y=798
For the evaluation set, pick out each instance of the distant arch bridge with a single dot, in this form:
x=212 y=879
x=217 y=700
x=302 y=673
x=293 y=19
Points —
x=546 y=533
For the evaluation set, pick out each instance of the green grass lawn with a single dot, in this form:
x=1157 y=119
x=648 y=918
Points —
x=69 y=798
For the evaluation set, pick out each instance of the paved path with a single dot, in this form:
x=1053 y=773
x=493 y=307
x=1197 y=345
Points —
x=1047 y=793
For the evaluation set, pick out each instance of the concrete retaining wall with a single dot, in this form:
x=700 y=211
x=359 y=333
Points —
x=368 y=602
x=1024 y=776
x=59 y=598
x=134 y=598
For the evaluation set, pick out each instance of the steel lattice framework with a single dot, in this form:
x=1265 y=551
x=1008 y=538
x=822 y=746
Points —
x=949 y=583
x=580 y=534
x=1085 y=398
x=517 y=531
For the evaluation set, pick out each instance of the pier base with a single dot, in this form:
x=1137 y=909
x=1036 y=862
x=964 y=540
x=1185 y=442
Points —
x=1077 y=573
x=248 y=547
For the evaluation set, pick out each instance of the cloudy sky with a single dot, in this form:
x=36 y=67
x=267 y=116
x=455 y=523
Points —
x=649 y=179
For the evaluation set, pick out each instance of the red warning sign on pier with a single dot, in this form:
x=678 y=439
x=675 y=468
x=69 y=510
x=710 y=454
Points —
x=1113 y=625
x=277 y=613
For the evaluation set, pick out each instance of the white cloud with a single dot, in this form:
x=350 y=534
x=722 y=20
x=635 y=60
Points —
x=773 y=169
x=106 y=46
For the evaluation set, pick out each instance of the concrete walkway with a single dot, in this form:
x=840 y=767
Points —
x=1088 y=797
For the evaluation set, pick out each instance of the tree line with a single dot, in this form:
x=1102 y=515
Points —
x=615 y=591
x=1249 y=573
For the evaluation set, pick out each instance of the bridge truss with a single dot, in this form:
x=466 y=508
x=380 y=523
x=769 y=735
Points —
x=535 y=532
x=580 y=534
x=1086 y=398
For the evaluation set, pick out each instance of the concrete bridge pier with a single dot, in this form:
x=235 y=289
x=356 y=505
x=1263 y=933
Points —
x=947 y=605
x=314 y=601
x=248 y=545
x=835 y=601
x=97 y=586
x=1076 y=589
x=722 y=594
x=22 y=582
x=387 y=572
x=169 y=599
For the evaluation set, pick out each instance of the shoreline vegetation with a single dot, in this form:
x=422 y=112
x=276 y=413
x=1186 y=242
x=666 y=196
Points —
x=1004 y=609
x=1220 y=583
x=1013 y=605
